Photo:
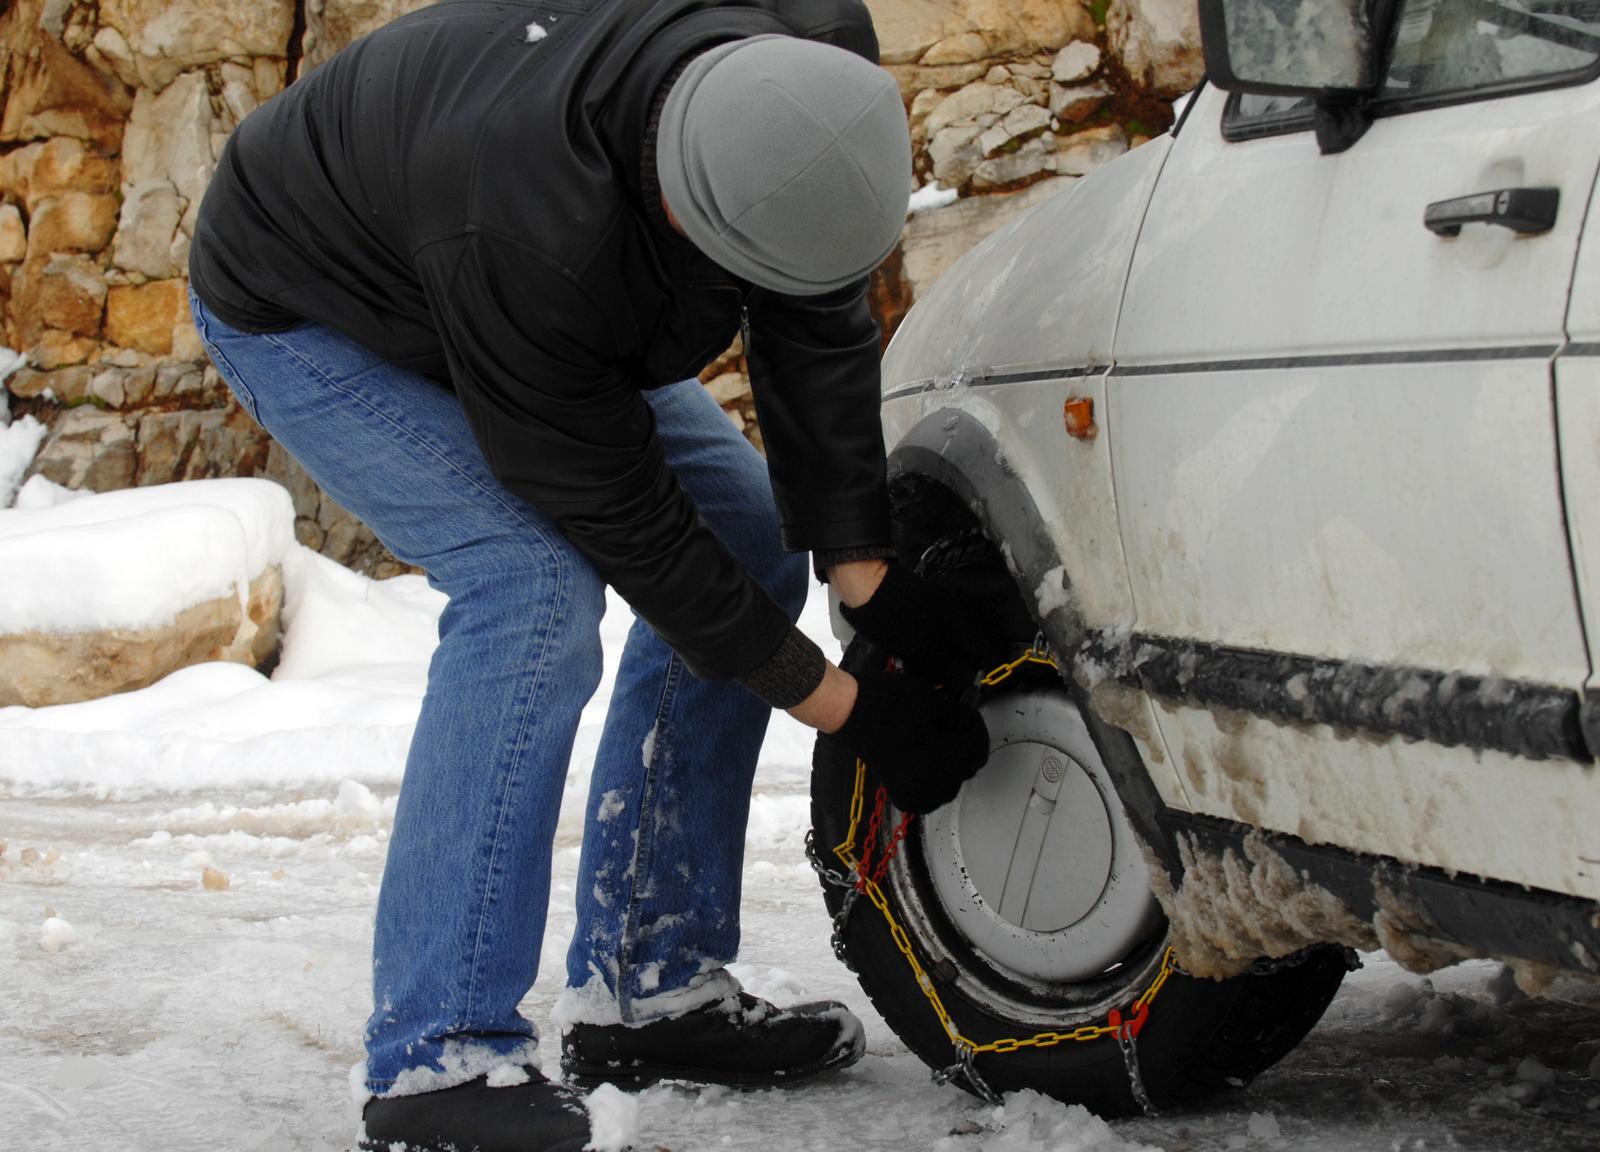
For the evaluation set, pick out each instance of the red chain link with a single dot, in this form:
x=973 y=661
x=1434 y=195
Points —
x=864 y=869
x=890 y=848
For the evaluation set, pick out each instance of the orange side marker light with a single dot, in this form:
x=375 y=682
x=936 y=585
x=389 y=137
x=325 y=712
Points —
x=1079 y=415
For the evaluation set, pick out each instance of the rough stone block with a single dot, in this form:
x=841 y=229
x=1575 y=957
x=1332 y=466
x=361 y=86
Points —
x=62 y=292
x=169 y=138
x=36 y=172
x=142 y=316
x=165 y=37
x=1077 y=61
x=150 y=215
x=72 y=222
x=49 y=91
x=39 y=669
x=192 y=444
x=68 y=386
x=934 y=31
x=332 y=24
x=1023 y=164
x=88 y=448
x=955 y=154
x=729 y=388
x=962 y=48
x=1074 y=105
x=13 y=236
x=1158 y=43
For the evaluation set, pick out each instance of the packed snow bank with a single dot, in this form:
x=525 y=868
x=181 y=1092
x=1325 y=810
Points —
x=39 y=492
x=19 y=440
x=138 y=557
x=340 y=706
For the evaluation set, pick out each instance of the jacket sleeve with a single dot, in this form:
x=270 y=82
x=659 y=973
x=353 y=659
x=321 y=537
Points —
x=570 y=433
x=815 y=381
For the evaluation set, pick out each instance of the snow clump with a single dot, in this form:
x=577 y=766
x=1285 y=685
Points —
x=1027 y=1121
x=930 y=196
x=56 y=934
x=507 y=1076
x=613 y=1119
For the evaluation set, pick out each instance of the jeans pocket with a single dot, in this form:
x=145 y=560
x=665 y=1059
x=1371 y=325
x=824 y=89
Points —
x=230 y=375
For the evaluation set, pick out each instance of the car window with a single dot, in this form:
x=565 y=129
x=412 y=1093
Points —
x=1447 y=51
x=1446 y=47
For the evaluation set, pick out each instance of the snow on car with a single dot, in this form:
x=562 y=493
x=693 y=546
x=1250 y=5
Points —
x=1272 y=447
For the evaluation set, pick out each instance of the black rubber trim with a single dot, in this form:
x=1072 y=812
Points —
x=995 y=379
x=1589 y=719
x=1237 y=128
x=1188 y=106
x=1262 y=364
x=1484 y=915
x=1345 y=360
x=1580 y=350
x=1536 y=721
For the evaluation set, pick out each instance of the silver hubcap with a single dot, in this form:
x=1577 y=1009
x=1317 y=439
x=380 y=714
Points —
x=1036 y=863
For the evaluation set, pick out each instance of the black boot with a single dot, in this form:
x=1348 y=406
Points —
x=746 y=1043
x=537 y=1116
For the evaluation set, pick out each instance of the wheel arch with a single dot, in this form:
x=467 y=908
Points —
x=955 y=452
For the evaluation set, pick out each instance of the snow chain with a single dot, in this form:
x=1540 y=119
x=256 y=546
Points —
x=862 y=878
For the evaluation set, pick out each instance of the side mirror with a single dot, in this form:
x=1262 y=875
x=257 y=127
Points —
x=1318 y=48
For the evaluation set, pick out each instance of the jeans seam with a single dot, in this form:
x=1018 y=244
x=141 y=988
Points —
x=513 y=773
x=498 y=496
x=247 y=398
x=644 y=854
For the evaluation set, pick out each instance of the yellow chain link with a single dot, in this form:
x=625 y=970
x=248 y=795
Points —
x=846 y=853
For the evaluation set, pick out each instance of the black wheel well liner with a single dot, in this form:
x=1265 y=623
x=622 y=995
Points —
x=951 y=449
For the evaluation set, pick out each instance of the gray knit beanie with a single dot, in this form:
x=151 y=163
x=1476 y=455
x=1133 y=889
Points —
x=787 y=162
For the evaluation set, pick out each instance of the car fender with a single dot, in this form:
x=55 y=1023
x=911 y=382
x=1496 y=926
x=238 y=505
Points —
x=1006 y=306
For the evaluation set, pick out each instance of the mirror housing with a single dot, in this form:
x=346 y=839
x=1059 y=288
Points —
x=1325 y=49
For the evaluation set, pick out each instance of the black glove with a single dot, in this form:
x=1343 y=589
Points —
x=939 y=633
x=921 y=741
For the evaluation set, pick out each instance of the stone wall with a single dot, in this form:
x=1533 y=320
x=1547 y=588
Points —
x=113 y=113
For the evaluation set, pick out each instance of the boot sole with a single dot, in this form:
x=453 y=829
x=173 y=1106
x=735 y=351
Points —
x=641 y=1076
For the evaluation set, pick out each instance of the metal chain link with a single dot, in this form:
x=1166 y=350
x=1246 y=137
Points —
x=1128 y=1042
x=965 y=1070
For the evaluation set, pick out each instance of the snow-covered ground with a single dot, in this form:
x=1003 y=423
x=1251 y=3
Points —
x=187 y=882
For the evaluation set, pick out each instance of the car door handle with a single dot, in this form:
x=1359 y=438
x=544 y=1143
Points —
x=1523 y=210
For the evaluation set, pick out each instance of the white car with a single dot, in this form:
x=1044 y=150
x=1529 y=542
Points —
x=1275 y=445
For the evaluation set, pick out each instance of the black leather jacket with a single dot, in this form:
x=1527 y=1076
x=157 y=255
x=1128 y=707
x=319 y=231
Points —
x=470 y=203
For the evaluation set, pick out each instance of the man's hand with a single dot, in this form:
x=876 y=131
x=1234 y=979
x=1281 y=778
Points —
x=939 y=634
x=920 y=740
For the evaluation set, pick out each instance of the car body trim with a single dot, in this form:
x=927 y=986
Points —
x=983 y=379
x=1344 y=360
x=1535 y=721
x=1487 y=917
x=994 y=379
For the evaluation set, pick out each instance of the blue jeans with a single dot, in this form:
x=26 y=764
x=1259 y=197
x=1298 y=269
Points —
x=466 y=888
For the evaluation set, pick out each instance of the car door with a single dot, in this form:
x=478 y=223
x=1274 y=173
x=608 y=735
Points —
x=1335 y=453
x=1578 y=417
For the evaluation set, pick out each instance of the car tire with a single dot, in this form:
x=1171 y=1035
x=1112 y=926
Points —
x=1198 y=1036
